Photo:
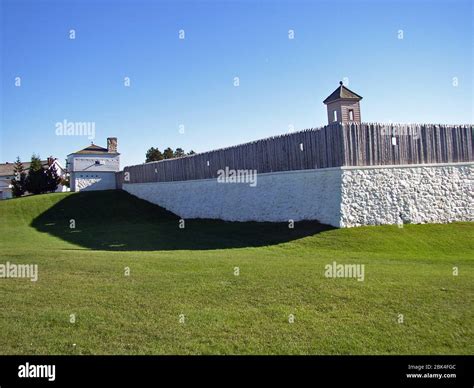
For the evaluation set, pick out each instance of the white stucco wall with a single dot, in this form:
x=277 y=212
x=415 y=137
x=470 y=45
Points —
x=409 y=194
x=5 y=187
x=93 y=171
x=79 y=162
x=5 y=193
x=279 y=196
x=342 y=197
x=90 y=181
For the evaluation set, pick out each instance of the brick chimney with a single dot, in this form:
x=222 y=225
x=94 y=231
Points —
x=112 y=144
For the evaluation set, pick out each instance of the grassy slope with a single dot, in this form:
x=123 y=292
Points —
x=81 y=271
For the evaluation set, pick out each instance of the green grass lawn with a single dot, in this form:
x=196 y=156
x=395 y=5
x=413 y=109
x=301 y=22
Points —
x=190 y=271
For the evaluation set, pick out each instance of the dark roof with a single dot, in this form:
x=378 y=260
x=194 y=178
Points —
x=94 y=149
x=7 y=169
x=342 y=93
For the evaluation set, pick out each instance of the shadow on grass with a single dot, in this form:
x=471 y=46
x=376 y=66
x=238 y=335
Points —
x=117 y=221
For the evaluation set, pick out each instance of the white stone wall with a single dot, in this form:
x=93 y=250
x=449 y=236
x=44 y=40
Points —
x=409 y=194
x=342 y=197
x=280 y=196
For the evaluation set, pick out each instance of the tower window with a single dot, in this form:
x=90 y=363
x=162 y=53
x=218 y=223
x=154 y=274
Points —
x=335 y=115
x=351 y=115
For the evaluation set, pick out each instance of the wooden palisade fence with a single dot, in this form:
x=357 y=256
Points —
x=366 y=144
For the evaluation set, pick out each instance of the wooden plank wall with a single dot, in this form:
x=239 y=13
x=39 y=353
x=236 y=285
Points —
x=335 y=145
x=372 y=144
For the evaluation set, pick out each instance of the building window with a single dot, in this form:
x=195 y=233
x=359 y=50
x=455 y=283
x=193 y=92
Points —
x=351 y=115
x=335 y=115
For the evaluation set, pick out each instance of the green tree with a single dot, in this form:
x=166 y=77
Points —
x=19 y=181
x=168 y=153
x=179 y=152
x=52 y=179
x=36 y=181
x=153 y=155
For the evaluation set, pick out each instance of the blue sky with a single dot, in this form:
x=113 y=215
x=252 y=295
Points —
x=190 y=82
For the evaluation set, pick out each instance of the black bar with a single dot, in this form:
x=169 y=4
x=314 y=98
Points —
x=312 y=371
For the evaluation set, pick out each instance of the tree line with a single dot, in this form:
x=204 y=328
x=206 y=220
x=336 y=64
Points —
x=154 y=154
x=38 y=180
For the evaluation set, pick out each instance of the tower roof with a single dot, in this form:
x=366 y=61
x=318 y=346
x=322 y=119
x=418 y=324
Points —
x=342 y=93
x=94 y=149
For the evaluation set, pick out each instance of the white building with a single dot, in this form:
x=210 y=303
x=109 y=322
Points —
x=7 y=173
x=94 y=167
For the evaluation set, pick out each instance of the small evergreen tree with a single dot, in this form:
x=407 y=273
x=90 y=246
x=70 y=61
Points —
x=52 y=179
x=19 y=181
x=179 y=152
x=36 y=181
x=168 y=153
x=153 y=155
